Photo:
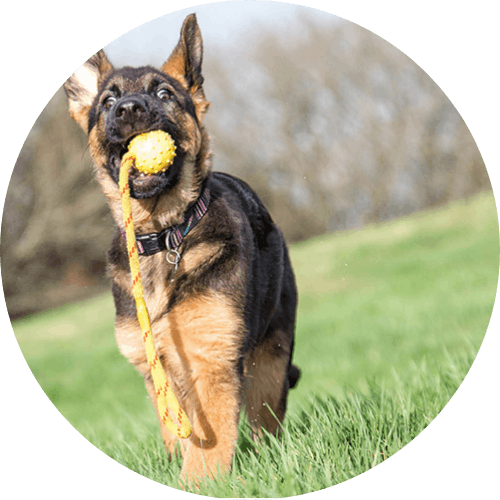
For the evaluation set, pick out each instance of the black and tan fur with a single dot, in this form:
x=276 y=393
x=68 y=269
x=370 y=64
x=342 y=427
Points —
x=224 y=327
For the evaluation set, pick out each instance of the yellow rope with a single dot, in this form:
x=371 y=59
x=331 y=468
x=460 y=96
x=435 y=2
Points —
x=169 y=409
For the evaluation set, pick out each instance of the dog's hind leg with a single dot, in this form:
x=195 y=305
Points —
x=268 y=372
x=267 y=382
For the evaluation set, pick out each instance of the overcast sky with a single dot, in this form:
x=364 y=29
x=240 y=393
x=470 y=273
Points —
x=228 y=23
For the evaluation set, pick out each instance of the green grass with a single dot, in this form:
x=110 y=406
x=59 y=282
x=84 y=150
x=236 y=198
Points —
x=390 y=320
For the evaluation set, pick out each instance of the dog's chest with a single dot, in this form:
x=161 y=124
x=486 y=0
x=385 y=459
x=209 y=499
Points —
x=156 y=277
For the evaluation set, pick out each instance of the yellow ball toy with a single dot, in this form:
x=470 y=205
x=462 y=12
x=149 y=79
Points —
x=153 y=151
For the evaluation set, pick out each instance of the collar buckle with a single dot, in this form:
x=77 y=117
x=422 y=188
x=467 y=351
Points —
x=171 y=238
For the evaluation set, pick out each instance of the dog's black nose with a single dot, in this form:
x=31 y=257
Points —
x=130 y=110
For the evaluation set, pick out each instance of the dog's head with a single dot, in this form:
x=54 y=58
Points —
x=113 y=106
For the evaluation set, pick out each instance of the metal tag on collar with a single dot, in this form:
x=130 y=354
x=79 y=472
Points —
x=173 y=256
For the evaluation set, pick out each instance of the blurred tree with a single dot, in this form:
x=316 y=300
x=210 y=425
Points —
x=338 y=129
x=56 y=225
x=334 y=129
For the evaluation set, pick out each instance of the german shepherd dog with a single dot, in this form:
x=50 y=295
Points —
x=215 y=268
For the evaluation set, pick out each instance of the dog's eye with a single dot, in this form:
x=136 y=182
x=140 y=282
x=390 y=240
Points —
x=163 y=94
x=109 y=101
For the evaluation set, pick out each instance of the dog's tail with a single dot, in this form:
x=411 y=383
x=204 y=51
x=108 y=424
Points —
x=293 y=376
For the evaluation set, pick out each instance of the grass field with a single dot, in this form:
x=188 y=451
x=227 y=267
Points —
x=390 y=320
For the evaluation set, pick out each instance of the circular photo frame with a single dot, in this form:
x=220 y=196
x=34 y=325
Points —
x=335 y=237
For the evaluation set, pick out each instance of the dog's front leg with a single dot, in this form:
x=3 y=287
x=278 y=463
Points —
x=215 y=423
x=207 y=334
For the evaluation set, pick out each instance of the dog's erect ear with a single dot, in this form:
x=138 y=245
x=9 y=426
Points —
x=184 y=64
x=83 y=85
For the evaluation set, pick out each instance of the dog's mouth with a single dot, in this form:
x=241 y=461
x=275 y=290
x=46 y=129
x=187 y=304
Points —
x=143 y=185
x=134 y=174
